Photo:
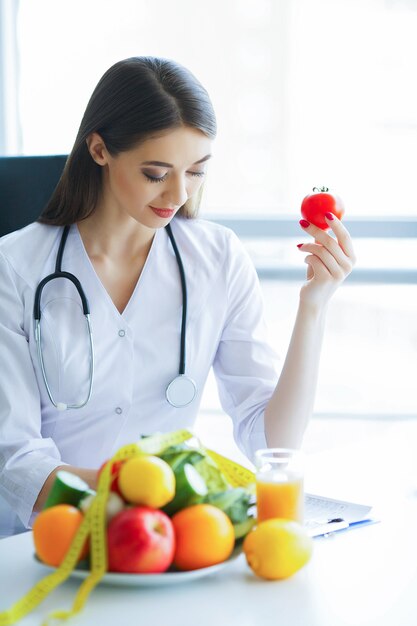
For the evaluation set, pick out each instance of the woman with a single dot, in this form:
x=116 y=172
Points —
x=130 y=185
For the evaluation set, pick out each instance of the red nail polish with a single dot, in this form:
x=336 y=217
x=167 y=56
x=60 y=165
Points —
x=299 y=245
x=304 y=223
x=329 y=216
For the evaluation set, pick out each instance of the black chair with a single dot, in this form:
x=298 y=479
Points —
x=26 y=184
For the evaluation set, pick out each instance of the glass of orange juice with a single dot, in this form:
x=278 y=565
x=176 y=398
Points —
x=280 y=484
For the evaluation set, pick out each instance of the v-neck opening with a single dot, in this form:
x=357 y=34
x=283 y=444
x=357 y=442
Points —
x=99 y=281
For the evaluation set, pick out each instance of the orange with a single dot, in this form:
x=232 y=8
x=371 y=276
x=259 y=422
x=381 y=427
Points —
x=204 y=536
x=53 y=532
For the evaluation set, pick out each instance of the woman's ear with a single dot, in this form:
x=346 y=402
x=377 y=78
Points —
x=97 y=149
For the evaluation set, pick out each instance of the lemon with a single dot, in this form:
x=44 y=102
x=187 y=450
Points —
x=147 y=480
x=277 y=548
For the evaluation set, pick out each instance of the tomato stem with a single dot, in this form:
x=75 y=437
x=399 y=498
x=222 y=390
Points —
x=321 y=189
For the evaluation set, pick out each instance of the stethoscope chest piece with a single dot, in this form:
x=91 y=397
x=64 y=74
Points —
x=181 y=391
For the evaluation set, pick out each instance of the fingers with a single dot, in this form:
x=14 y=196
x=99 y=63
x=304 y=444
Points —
x=316 y=268
x=341 y=247
x=337 y=269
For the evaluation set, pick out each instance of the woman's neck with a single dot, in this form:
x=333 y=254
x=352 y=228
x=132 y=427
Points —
x=115 y=238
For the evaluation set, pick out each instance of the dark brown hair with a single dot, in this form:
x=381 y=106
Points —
x=135 y=98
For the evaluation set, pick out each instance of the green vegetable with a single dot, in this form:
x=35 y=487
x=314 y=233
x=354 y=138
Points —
x=234 y=502
x=68 y=488
x=215 y=480
x=242 y=528
x=178 y=456
x=193 y=467
x=189 y=489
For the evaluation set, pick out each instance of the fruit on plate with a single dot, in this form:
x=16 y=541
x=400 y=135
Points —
x=53 y=531
x=317 y=204
x=140 y=540
x=204 y=536
x=277 y=548
x=114 y=504
x=114 y=473
x=147 y=480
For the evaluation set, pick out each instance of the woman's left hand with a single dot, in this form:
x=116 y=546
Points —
x=329 y=260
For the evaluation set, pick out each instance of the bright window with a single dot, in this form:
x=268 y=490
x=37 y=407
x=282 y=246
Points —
x=306 y=93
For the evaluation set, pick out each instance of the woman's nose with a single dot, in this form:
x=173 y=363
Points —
x=176 y=192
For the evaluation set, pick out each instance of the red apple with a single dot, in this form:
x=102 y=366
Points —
x=140 y=540
x=115 y=469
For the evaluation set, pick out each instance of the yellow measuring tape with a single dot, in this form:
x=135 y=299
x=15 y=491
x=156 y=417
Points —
x=94 y=526
x=235 y=474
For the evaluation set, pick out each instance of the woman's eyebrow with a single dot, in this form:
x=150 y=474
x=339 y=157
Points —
x=163 y=164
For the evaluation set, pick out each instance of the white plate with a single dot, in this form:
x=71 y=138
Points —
x=152 y=580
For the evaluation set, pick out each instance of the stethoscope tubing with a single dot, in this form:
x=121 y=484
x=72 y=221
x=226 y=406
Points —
x=184 y=300
x=180 y=392
x=61 y=406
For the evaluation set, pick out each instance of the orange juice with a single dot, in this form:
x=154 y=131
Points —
x=279 y=498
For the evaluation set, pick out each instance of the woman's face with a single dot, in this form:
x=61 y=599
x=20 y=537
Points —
x=152 y=181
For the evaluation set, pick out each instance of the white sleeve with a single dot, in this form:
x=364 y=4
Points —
x=245 y=364
x=26 y=459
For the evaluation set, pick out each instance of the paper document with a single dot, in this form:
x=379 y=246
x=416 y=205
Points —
x=326 y=515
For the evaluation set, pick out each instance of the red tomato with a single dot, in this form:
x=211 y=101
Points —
x=114 y=485
x=316 y=204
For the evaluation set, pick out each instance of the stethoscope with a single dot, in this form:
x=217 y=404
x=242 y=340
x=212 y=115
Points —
x=180 y=392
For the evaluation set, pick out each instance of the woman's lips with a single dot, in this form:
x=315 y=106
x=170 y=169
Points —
x=163 y=212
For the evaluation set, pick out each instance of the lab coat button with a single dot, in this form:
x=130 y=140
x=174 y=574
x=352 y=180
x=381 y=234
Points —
x=122 y=333
x=118 y=410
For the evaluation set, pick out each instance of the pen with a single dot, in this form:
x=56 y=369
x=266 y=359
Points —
x=339 y=525
x=331 y=526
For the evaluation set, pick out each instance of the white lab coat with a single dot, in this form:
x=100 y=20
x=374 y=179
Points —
x=136 y=353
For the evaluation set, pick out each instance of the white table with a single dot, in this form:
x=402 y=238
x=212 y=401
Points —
x=364 y=577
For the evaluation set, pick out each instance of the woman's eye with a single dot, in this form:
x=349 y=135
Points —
x=155 y=179
x=160 y=179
